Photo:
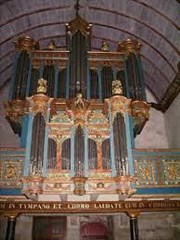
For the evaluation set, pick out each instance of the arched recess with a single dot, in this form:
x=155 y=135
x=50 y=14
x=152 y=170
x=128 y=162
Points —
x=106 y=154
x=92 y=154
x=94 y=231
x=66 y=154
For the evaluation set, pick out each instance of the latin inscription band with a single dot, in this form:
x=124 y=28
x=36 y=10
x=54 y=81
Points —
x=88 y=207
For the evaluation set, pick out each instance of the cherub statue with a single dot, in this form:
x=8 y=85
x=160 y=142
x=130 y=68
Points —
x=117 y=87
x=42 y=88
x=79 y=101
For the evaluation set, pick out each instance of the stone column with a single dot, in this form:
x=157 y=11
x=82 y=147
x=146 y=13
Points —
x=10 y=231
x=134 y=232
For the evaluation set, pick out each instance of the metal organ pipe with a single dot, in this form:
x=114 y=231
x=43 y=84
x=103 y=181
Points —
x=120 y=144
x=37 y=147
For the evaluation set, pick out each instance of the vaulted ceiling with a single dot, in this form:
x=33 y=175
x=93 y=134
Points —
x=155 y=24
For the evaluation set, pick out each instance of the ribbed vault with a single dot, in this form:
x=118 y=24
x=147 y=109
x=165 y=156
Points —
x=153 y=23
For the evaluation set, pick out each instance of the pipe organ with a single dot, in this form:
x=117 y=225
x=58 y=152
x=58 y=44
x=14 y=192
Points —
x=77 y=112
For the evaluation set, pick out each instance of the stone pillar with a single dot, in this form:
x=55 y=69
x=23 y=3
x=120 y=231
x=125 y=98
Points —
x=10 y=231
x=134 y=232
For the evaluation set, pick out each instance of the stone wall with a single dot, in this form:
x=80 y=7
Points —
x=154 y=133
x=7 y=136
x=172 y=122
x=152 y=226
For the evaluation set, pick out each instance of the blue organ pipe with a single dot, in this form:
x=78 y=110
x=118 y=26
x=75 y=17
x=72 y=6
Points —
x=129 y=146
x=28 y=144
x=113 y=166
x=45 y=154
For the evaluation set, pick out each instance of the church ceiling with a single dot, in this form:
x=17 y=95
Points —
x=155 y=24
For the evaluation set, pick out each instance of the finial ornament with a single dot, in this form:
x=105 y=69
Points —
x=51 y=45
x=117 y=87
x=77 y=7
x=105 y=46
x=42 y=88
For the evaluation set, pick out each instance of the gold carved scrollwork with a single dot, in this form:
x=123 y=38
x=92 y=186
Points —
x=11 y=171
x=38 y=103
x=174 y=170
x=119 y=104
x=78 y=108
x=59 y=133
x=123 y=185
x=34 y=185
x=140 y=110
x=78 y=24
x=79 y=185
x=15 y=109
